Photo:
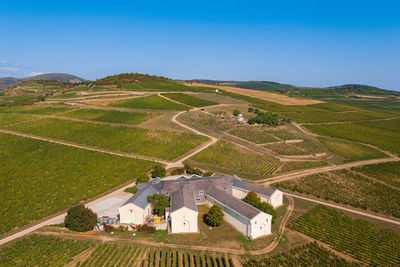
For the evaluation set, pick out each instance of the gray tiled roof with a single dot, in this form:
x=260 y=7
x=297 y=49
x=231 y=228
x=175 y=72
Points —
x=140 y=198
x=183 y=197
x=233 y=203
x=253 y=187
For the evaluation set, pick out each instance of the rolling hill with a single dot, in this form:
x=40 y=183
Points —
x=60 y=77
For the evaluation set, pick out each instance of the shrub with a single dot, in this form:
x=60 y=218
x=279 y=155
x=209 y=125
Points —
x=191 y=170
x=215 y=216
x=80 y=219
x=268 y=118
x=251 y=110
x=158 y=171
x=236 y=112
x=159 y=202
x=206 y=174
x=145 y=228
x=142 y=178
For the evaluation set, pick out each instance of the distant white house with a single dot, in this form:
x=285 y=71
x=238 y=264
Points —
x=188 y=192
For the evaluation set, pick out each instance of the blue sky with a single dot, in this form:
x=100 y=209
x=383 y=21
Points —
x=310 y=43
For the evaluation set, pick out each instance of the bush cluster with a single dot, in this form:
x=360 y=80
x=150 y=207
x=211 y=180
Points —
x=253 y=199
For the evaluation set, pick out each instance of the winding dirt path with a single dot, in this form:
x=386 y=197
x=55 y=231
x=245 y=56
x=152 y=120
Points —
x=265 y=250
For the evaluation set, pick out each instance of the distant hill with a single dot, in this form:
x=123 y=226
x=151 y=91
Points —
x=360 y=89
x=59 y=77
x=125 y=78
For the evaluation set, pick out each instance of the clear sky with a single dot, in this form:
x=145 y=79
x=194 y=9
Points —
x=310 y=43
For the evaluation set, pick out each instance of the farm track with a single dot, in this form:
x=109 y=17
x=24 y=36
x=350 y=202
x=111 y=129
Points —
x=307 y=172
x=265 y=250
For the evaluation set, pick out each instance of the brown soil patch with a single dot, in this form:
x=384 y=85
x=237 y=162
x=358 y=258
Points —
x=268 y=96
x=103 y=103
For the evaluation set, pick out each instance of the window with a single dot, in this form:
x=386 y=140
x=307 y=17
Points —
x=267 y=219
x=167 y=193
x=201 y=193
x=131 y=211
x=227 y=187
x=260 y=227
x=255 y=222
x=198 y=199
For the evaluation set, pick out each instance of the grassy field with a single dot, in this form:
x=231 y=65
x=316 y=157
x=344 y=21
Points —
x=367 y=242
x=40 y=250
x=310 y=254
x=170 y=86
x=300 y=165
x=131 y=86
x=253 y=135
x=229 y=156
x=39 y=178
x=337 y=117
x=351 y=151
x=149 y=102
x=384 y=134
x=110 y=116
x=190 y=100
x=286 y=149
x=388 y=172
x=152 y=143
x=13 y=118
x=41 y=110
x=348 y=188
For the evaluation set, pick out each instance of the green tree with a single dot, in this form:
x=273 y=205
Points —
x=251 y=110
x=215 y=216
x=158 y=202
x=253 y=199
x=80 y=219
x=158 y=171
x=191 y=170
x=208 y=173
x=142 y=178
x=236 y=112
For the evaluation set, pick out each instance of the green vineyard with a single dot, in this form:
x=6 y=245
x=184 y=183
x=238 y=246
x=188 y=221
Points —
x=367 y=242
x=172 y=258
x=228 y=156
x=40 y=250
x=311 y=254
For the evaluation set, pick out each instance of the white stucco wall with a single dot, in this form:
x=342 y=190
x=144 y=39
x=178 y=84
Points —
x=275 y=200
x=260 y=225
x=184 y=220
x=238 y=225
x=131 y=213
x=238 y=193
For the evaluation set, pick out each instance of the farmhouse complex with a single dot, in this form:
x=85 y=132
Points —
x=188 y=192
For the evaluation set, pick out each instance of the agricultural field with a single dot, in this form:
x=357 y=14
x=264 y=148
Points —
x=226 y=155
x=371 y=244
x=190 y=100
x=184 y=259
x=112 y=254
x=40 y=250
x=384 y=134
x=253 y=135
x=149 y=102
x=289 y=166
x=152 y=143
x=337 y=116
x=39 y=110
x=348 y=188
x=286 y=149
x=388 y=172
x=351 y=151
x=172 y=87
x=131 y=86
x=310 y=254
x=13 y=118
x=110 y=116
x=33 y=182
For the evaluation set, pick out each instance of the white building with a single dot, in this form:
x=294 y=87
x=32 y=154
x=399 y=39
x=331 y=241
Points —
x=187 y=192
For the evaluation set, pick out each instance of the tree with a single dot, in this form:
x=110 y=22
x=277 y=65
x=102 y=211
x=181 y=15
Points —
x=191 y=170
x=142 y=178
x=80 y=219
x=236 y=112
x=215 y=216
x=251 y=110
x=158 y=171
x=253 y=199
x=208 y=173
x=158 y=202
